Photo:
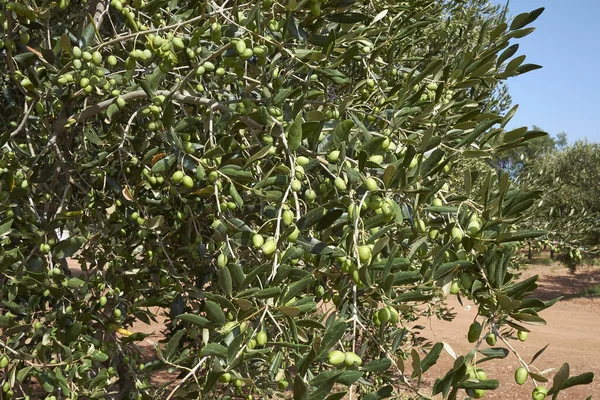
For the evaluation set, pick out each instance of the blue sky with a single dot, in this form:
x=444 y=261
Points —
x=562 y=96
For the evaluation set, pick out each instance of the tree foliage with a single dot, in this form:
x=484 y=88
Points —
x=569 y=209
x=275 y=177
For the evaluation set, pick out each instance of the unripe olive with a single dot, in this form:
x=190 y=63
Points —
x=336 y=357
x=292 y=237
x=521 y=375
x=296 y=185
x=188 y=182
x=351 y=359
x=269 y=248
x=491 y=339
x=282 y=384
x=333 y=156
x=339 y=183
x=222 y=260
x=454 y=289
x=457 y=235
x=384 y=315
x=473 y=227
x=177 y=176
x=225 y=378
x=539 y=393
x=522 y=335
x=261 y=338
x=371 y=184
x=257 y=240
x=97 y=57
x=364 y=254
x=474 y=332
x=76 y=52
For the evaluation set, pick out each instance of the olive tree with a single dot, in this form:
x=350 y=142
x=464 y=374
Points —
x=272 y=182
x=569 y=209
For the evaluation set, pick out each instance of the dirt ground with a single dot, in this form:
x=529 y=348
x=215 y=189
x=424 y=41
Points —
x=571 y=333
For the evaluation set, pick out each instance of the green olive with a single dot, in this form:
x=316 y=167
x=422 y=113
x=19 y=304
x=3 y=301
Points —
x=522 y=335
x=187 y=181
x=474 y=332
x=336 y=357
x=364 y=254
x=539 y=393
x=269 y=248
x=340 y=184
x=491 y=339
x=225 y=378
x=351 y=359
x=261 y=338
x=371 y=184
x=521 y=375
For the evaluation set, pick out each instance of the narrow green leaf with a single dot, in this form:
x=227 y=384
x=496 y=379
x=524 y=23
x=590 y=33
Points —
x=295 y=133
x=194 y=319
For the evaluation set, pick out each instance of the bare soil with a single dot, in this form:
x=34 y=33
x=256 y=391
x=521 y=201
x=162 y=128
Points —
x=571 y=334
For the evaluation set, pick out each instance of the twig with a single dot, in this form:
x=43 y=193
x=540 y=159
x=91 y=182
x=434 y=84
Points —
x=185 y=378
x=27 y=111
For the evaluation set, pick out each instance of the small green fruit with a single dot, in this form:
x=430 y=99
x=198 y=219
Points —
x=351 y=359
x=454 y=289
x=225 y=378
x=457 y=235
x=473 y=227
x=261 y=338
x=222 y=260
x=340 y=184
x=336 y=357
x=364 y=254
x=302 y=161
x=4 y=362
x=478 y=393
x=240 y=46
x=269 y=248
x=474 y=332
x=491 y=339
x=121 y=103
x=177 y=176
x=188 y=182
x=296 y=185
x=287 y=217
x=522 y=335
x=282 y=384
x=481 y=375
x=292 y=237
x=384 y=315
x=258 y=240
x=521 y=375
x=371 y=184
x=539 y=393
x=333 y=156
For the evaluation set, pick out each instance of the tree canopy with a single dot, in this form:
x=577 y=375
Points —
x=278 y=179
